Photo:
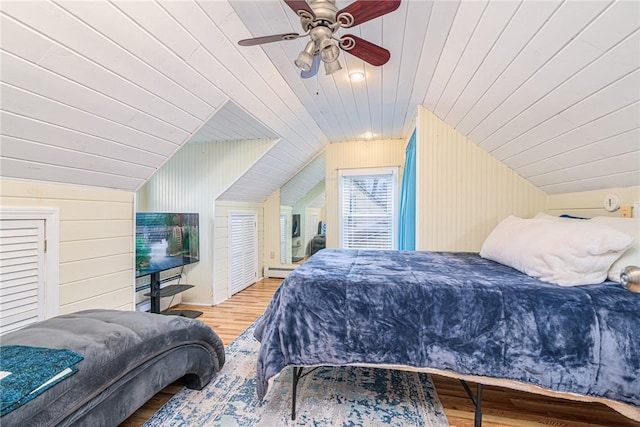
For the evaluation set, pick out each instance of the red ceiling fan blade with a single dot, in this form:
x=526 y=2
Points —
x=365 y=10
x=269 y=39
x=367 y=51
x=298 y=5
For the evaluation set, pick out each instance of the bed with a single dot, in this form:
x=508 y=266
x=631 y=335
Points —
x=126 y=358
x=458 y=315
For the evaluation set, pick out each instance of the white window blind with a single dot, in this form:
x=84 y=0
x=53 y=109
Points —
x=22 y=293
x=368 y=209
x=243 y=250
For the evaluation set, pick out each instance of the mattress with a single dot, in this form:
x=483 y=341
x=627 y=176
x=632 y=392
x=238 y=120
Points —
x=458 y=314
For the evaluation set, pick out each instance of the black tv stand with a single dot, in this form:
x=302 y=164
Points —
x=156 y=292
x=192 y=314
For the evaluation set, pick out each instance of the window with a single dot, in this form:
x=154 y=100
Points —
x=368 y=206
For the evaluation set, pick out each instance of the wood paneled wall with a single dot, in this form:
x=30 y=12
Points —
x=271 y=255
x=590 y=203
x=351 y=155
x=463 y=192
x=96 y=241
x=190 y=182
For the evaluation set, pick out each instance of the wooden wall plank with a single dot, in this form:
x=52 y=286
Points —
x=119 y=28
x=27 y=44
x=462 y=29
x=489 y=31
x=612 y=180
x=30 y=77
x=581 y=71
x=35 y=152
x=88 y=230
x=618 y=121
x=623 y=143
x=88 y=269
x=46 y=133
x=71 y=210
x=529 y=18
x=62 y=27
x=20 y=102
x=20 y=190
x=87 y=289
x=627 y=162
x=593 y=200
x=561 y=28
x=96 y=248
x=51 y=173
x=119 y=298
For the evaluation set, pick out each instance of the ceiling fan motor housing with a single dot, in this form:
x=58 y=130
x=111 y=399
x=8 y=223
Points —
x=324 y=10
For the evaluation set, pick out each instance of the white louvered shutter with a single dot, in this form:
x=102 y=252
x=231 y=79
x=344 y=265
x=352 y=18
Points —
x=368 y=210
x=22 y=292
x=243 y=250
x=284 y=227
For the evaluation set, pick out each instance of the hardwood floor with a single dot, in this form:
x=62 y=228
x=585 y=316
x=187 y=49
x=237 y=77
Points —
x=501 y=407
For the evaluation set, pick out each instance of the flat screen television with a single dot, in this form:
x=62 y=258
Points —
x=295 y=227
x=165 y=240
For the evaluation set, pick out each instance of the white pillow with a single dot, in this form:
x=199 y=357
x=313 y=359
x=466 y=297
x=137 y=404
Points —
x=567 y=253
x=631 y=227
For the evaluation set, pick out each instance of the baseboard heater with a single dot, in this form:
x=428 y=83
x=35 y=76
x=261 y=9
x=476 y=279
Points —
x=277 y=272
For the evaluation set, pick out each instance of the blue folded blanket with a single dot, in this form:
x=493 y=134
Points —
x=26 y=372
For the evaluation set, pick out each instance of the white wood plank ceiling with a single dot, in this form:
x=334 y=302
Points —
x=303 y=182
x=103 y=92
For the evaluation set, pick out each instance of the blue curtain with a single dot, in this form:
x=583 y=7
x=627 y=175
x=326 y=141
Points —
x=407 y=226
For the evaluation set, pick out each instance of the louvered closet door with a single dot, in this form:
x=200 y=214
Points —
x=22 y=284
x=284 y=228
x=243 y=250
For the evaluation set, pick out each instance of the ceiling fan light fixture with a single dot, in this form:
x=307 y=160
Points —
x=329 y=51
x=305 y=59
x=332 y=67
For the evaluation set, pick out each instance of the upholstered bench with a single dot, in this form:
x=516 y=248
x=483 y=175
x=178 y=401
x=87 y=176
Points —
x=127 y=358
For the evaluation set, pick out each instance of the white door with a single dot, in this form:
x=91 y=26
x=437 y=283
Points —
x=313 y=218
x=284 y=228
x=243 y=250
x=22 y=276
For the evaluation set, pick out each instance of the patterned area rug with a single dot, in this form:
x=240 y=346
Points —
x=329 y=396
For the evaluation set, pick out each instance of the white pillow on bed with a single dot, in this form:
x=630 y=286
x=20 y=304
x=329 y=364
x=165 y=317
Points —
x=567 y=253
x=631 y=227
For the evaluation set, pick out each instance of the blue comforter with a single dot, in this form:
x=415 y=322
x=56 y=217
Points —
x=456 y=312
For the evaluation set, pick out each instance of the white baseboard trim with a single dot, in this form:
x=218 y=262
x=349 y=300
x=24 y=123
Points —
x=277 y=272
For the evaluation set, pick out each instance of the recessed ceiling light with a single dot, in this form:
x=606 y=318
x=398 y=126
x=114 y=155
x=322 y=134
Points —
x=368 y=135
x=356 y=76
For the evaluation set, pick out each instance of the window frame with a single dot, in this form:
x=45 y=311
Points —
x=373 y=172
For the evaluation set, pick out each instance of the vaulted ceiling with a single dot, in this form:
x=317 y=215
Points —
x=103 y=92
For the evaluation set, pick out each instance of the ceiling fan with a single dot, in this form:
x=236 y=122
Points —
x=320 y=19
